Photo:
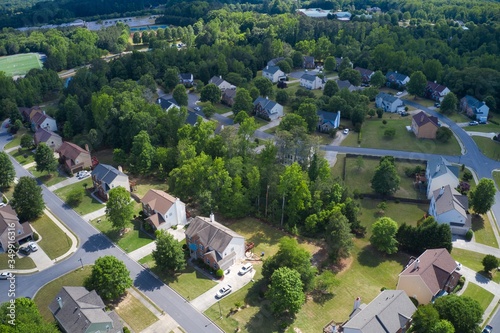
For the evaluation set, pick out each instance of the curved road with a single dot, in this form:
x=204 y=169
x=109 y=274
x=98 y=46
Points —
x=92 y=245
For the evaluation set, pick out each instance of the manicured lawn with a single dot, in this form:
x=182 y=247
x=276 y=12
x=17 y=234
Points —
x=339 y=165
x=48 y=292
x=48 y=179
x=143 y=185
x=16 y=141
x=260 y=122
x=88 y=203
x=271 y=130
x=488 y=147
x=483 y=230
x=189 y=282
x=219 y=108
x=496 y=177
x=23 y=156
x=133 y=239
x=54 y=241
x=134 y=313
x=481 y=295
x=422 y=101
x=293 y=87
x=373 y=137
x=458 y=118
x=485 y=128
x=473 y=261
x=21 y=263
x=322 y=138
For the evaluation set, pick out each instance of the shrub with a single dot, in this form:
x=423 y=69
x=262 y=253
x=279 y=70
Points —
x=36 y=236
x=126 y=330
x=414 y=301
x=390 y=133
x=469 y=234
x=384 y=121
x=467 y=176
x=219 y=273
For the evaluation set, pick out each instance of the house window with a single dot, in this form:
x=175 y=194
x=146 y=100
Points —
x=215 y=266
x=170 y=214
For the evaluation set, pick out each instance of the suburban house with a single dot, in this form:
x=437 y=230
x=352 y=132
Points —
x=389 y=103
x=450 y=207
x=328 y=121
x=39 y=119
x=314 y=12
x=273 y=73
x=274 y=62
x=221 y=83
x=424 y=126
x=228 y=96
x=439 y=173
x=267 y=109
x=105 y=177
x=167 y=104
x=366 y=74
x=436 y=91
x=429 y=276
x=10 y=222
x=26 y=112
x=338 y=62
x=73 y=157
x=310 y=81
x=186 y=79
x=309 y=62
x=78 y=310
x=345 y=84
x=217 y=245
x=343 y=16
x=474 y=108
x=163 y=210
x=51 y=139
x=397 y=80
x=389 y=312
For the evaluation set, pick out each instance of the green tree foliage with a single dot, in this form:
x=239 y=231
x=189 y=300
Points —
x=330 y=64
x=483 y=196
x=264 y=86
x=119 y=208
x=331 y=88
x=291 y=121
x=171 y=78
x=44 y=158
x=297 y=59
x=338 y=236
x=325 y=282
x=444 y=134
x=427 y=235
x=390 y=133
x=433 y=69
x=27 y=141
x=27 y=318
x=490 y=262
x=180 y=95
x=285 y=292
x=142 y=154
x=284 y=66
x=378 y=79
x=75 y=196
x=243 y=102
x=110 y=278
x=417 y=84
x=293 y=187
x=449 y=104
x=464 y=313
x=386 y=180
x=209 y=110
x=168 y=254
x=425 y=318
x=27 y=199
x=7 y=171
x=282 y=97
x=351 y=75
x=210 y=93
x=384 y=235
x=443 y=326
x=308 y=112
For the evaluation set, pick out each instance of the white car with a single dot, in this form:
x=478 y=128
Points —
x=459 y=266
x=33 y=247
x=5 y=275
x=245 y=269
x=82 y=174
x=223 y=291
x=399 y=93
x=346 y=131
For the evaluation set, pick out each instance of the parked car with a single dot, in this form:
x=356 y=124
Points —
x=197 y=108
x=245 y=269
x=2 y=204
x=82 y=174
x=33 y=247
x=488 y=329
x=24 y=251
x=223 y=291
x=346 y=131
x=5 y=275
x=399 y=93
x=459 y=266
x=473 y=123
x=437 y=105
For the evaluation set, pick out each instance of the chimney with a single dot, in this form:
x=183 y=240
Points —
x=60 y=302
x=87 y=147
x=441 y=191
x=417 y=264
x=220 y=76
x=357 y=303
x=267 y=67
x=120 y=168
x=212 y=217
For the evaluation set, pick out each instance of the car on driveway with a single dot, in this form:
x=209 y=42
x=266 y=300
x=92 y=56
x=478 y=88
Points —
x=473 y=123
x=25 y=251
x=223 y=291
x=5 y=275
x=399 y=93
x=82 y=174
x=33 y=247
x=488 y=329
x=197 y=108
x=245 y=269
x=346 y=131
x=459 y=266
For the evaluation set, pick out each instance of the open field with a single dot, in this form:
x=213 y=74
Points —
x=54 y=242
x=133 y=239
x=88 y=203
x=134 y=313
x=488 y=147
x=473 y=260
x=481 y=295
x=19 y=64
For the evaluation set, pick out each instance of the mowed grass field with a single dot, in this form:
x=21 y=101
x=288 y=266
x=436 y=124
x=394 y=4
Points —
x=20 y=64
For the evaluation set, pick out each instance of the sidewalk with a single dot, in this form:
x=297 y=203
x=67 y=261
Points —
x=12 y=149
x=271 y=124
x=94 y=215
x=66 y=182
x=475 y=247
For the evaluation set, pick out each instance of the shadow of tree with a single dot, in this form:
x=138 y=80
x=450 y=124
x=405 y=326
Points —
x=477 y=222
x=371 y=257
x=146 y=281
x=96 y=243
x=322 y=298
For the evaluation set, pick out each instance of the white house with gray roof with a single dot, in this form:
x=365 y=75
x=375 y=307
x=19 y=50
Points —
x=450 y=207
x=214 y=243
x=105 y=177
x=389 y=103
x=273 y=73
x=78 y=310
x=389 y=312
x=310 y=81
x=397 y=80
x=222 y=84
x=439 y=173
x=267 y=109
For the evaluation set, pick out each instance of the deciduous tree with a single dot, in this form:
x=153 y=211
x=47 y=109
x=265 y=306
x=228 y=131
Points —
x=44 y=158
x=449 y=103
x=464 y=313
x=242 y=102
x=180 y=95
x=285 y=292
x=331 y=88
x=264 y=86
x=110 y=278
x=27 y=199
x=142 y=154
x=7 y=171
x=168 y=254
x=210 y=93
x=490 y=262
x=386 y=180
x=425 y=318
x=378 y=79
x=417 y=84
x=27 y=318
x=483 y=196
x=308 y=112
x=384 y=235
x=119 y=208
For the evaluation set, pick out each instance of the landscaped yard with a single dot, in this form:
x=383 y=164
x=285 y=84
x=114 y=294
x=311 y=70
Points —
x=23 y=156
x=483 y=230
x=485 y=128
x=21 y=263
x=373 y=137
x=473 y=261
x=294 y=86
x=88 y=203
x=48 y=179
x=54 y=241
x=422 y=101
x=133 y=239
x=189 y=282
x=134 y=313
x=481 y=295
x=488 y=147
x=16 y=141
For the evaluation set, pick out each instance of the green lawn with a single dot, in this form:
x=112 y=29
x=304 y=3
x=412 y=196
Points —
x=481 y=295
x=339 y=165
x=219 y=108
x=21 y=263
x=488 y=147
x=105 y=156
x=48 y=292
x=189 y=282
x=485 y=128
x=20 y=64
x=143 y=185
x=48 y=179
x=133 y=239
x=55 y=242
x=483 y=231
x=16 y=141
x=293 y=87
x=135 y=314
x=373 y=137
x=88 y=203
x=458 y=117
x=23 y=156
x=473 y=261
x=496 y=177
x=422 y=101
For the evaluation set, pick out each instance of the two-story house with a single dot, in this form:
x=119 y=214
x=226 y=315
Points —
x=273 y=73
x=267 y=109
x=309 y=62
x=217 y=245
x=450 y=207
x=105 y=177
x=389 y=103
x=328 y=121
x=163 y=211
x=228 y=97
x=38 y=119
x=9 y=222
x=222 y=84
x=436 y=91
x=167 y=103
x=186 y=79
x=439 y=173
x=51 y=139
x=474 y=108
x=345 y=84
x=397 y=80
x=275 y=61
x=74 y=158
x=366 y=74
x=310 y=81
x=424 y=126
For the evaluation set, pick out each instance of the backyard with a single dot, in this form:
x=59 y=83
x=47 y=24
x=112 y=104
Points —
x=488 y=147
x=133 y=238
x=46 y=178
x=473 y=261
x=54 y=241
x=88 y=204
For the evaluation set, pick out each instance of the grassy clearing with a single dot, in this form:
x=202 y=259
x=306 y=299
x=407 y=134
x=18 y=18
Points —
x=458 y=117
x=488 y=147
x=485 y=128
x=48 y=292
x=481 y=295
x=48 y=179
x=294 y=86
x=143 y=185
x=23 y=156
x=483 y=230
x=133 y=239
x=373 y=137
x=20 y=64
x=422 y=101
x=473 y=260
x=134 y=313
x=21 y=263
x=55 y=242
x=88 y=203
x=105 y=156
x=496 y=178
x=339 y=165
x=16 y=141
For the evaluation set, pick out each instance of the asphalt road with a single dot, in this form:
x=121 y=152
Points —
x=92 y=245
x=495 y=322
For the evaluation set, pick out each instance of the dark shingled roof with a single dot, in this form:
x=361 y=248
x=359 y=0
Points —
x=211 y=234
x=422 y=118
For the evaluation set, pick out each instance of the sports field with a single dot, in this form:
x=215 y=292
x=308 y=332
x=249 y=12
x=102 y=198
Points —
x=20 y=64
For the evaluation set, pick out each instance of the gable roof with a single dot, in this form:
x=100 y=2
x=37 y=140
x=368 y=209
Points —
x=364 y=71
x=218 y=80
x=309 y=59
x=308 y=77
x=422 y=118
x=266 y=104
x=229 y=93
x=186 y=76
x=274 y=61
x=344 y=84
x=387 y=313
x=43 y=135
x=447 y=199
x=396 y=76
x=474 y=103
x=387 y=97
x=71 y=150
x=438 y=166
x=328 y=116
x=7 y=217
x=211 y=234
x=39 y=117
x=167 y=103
x=271 y=69
x=434 y=268
x=159 y=201
x=106 y=173
x=434 y=86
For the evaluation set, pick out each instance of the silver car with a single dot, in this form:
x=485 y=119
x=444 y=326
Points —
x=223 y=291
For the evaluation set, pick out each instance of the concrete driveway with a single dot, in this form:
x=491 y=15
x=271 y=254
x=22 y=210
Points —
x=66 y=182
x=206 y=300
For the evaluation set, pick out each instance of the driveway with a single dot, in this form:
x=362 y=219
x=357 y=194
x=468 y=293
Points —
x=66 y=182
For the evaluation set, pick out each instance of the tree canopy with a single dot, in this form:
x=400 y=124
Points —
x=44 y=158
x=109 y=277
x=386 y=180
x=168 y=254
x=27 y=318
x=483 y=196
x=464 y=313
x=384 y=235
x=285 y=292
x=27 y=199
x=119 y=208
x=7 y=171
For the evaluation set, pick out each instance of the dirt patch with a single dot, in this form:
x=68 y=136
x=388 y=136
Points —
x=343 y=265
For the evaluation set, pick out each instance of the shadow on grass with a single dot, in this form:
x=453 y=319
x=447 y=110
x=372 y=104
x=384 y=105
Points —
x=96 y=243
x=477 y=222
x=322 y=298
x=371 y=257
